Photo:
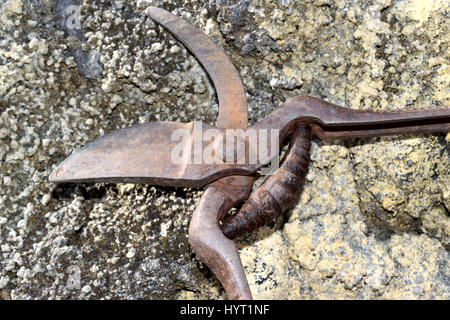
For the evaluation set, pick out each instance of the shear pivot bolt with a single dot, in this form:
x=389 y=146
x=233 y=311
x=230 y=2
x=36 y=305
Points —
x=229 y=147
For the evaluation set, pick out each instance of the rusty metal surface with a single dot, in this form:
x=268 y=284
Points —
x=278 y=191
x=205 y=236
x=143 y=154
x=226 y=79
x=219 y=253
x=353 y=123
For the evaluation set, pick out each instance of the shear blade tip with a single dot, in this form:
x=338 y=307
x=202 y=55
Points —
x=59 y=174
x=151 y=11
x=53 y=176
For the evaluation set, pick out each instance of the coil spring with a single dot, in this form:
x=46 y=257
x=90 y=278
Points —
x=278 y=191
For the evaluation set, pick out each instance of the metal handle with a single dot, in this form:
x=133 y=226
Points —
x=277 y=193
x=219 y=253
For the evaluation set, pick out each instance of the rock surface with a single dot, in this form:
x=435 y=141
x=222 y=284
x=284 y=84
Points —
x=371 y=223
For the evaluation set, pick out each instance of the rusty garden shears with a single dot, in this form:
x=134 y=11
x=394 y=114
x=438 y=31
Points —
x=143 y=153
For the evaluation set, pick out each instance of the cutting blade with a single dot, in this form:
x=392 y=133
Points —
x=156 y=153
x=233 y=109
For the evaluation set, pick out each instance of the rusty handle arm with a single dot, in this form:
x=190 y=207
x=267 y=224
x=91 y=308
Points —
x=332 y=121
x=386 y=129
x=219 y=253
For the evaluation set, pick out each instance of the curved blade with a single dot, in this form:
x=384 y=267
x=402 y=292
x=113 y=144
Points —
x=142 y=153
x=230 y=91
x=157 y=153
